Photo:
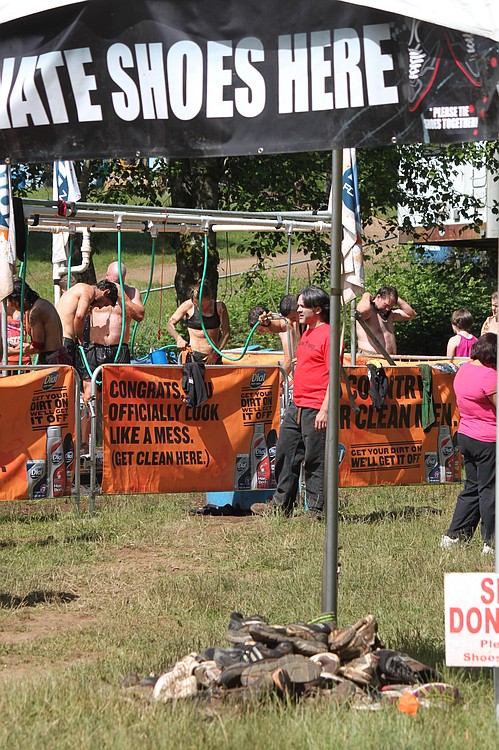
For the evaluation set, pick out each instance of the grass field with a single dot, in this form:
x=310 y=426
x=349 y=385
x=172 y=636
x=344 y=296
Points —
x=85 y=601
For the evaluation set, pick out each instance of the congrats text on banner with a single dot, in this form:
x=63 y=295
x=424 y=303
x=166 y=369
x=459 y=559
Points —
x=395 y=445
x=154 y=442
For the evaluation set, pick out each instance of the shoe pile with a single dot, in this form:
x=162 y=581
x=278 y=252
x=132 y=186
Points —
x=346 y=665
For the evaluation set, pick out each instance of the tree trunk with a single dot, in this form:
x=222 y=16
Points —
x=195 y=185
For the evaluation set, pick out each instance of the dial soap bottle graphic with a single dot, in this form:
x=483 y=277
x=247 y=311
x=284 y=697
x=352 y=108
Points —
x=259 y=459
x=56 y=467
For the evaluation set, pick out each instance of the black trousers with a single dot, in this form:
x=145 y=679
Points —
x=476 y=503
x=299 y=442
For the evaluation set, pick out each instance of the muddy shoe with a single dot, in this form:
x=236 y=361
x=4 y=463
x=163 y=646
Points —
x=307 y=648
x=395 y=666
x=206 y=674
x=230 y=677
x=269 y=634
x=171 y=687
x=362 y=671
x=296 y=675
x=259 y=675
x=339 y=639
x=329 y=663
x=367 y=629
x=238 y=630
x=308 y=632
x=225 y=657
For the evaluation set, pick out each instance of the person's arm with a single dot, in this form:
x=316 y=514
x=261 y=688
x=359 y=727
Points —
x=321 y=416
x=452 y=346
x=134 y=309
x=82 y=310
x=493 y=398
x=175 y=319
x=272 y=326
x=224 y=324
x=365 y=305
x=404 y=311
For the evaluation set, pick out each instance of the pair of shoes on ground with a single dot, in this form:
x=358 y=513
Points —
x=447 y=542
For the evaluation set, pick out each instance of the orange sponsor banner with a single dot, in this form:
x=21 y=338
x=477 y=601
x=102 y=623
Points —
x=154 y=442
x=37 y=413
x=391 y=446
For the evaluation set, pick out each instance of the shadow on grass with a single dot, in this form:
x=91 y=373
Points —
x=410 y=511
x=89 y=536
x=11 y=601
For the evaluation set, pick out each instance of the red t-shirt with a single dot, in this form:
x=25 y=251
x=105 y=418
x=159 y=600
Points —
x=312 y=367
x=473 y=384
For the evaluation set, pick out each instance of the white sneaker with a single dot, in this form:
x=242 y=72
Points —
x=487 y=549
x=447 y=542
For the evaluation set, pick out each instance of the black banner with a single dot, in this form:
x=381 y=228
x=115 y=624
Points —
x=153 y=78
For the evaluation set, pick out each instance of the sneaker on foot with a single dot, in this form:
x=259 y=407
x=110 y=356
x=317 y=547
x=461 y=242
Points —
x=446 y=542
x=487 y=549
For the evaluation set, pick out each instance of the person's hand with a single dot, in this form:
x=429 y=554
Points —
x=181 y=343
x=321 y=419
x=211 y=359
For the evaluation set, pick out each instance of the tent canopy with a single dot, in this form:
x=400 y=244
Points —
x=163 y=78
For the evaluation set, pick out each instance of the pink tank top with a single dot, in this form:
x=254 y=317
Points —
x=463 y=349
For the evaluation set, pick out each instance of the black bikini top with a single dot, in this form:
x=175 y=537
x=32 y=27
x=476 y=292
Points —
x=210 y=321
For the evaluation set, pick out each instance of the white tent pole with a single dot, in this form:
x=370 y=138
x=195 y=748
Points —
x=330 y=563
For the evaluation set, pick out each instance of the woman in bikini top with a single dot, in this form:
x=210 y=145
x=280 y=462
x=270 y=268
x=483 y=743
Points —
x=215 y=320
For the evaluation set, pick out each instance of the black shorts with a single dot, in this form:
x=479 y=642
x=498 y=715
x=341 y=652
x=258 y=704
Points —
x=74 y=356
x=99 y=354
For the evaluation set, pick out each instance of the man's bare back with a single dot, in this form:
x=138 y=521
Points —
x=73 y=307
x=44 y=326
x=75 y=304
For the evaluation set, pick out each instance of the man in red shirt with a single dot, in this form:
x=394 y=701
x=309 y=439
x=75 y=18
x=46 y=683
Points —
x=302 y=437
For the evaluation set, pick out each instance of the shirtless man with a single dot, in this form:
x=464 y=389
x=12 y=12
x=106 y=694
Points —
x=74 y=306
x=106 y=325
x=380 y=313
x=43 y=325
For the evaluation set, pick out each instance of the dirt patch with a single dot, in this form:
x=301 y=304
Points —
x=165 y=275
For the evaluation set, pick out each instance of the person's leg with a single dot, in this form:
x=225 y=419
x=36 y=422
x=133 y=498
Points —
x=315 y=451
x=486 y=477
x=289 y=456
x=467 y=511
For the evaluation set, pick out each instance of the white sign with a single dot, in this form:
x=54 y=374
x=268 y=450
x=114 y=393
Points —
x=471 y=602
